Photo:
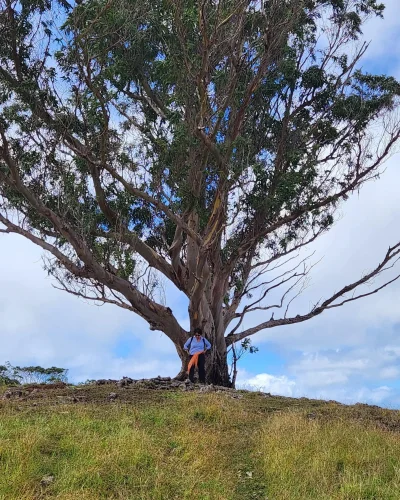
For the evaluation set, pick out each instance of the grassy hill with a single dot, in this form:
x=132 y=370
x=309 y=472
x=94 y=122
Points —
x=81 y=443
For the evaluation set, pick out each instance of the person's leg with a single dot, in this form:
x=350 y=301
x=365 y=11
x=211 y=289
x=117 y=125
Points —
x=191 y=372
x=202 y=368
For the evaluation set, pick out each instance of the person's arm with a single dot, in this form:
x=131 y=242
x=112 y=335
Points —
x=208 y=345
x=185 y=347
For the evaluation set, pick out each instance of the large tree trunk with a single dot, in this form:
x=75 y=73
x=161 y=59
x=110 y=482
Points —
x=216 y=358
x=205 y=311
x=217 y=368
x=217 y=372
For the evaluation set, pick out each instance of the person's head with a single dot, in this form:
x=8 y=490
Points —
x=197 y=333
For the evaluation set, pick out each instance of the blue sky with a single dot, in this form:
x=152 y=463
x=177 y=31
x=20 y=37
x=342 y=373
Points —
x=348 y=354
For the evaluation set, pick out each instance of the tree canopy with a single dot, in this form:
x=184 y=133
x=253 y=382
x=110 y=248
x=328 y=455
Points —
x=201 y=142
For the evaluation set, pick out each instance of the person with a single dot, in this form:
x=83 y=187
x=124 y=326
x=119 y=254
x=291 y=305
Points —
x=197 y=346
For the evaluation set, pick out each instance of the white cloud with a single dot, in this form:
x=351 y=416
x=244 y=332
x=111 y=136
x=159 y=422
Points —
x=315 y=380
x=376 y=395
x=264 y=382
x=390 y=372
x=354 y=367
x=324 y=389
x=49 y=327
x=355 y=245
x=105 y=365
x=383 y=35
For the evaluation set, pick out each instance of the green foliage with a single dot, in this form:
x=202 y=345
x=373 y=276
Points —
x=149 y=48
x=247 y=347
x=16 y=375
x=9 y=375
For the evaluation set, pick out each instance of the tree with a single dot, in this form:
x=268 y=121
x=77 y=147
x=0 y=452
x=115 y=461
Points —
x=199 y=142
x=237 y=352
x=16 y=375
x=9 y=375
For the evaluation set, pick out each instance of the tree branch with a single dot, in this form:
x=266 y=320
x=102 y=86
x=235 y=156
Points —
x=391 y=255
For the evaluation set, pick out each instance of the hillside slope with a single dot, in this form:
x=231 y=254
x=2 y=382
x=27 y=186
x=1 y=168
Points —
x=137 y=442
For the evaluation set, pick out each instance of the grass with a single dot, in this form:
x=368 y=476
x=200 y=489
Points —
x=329 y=460
x=165 y=445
